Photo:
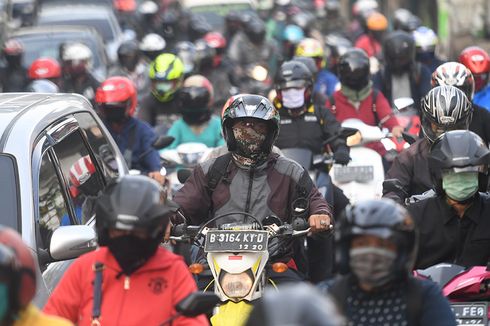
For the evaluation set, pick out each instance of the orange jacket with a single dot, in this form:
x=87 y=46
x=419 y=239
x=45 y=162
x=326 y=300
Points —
x=147 y=297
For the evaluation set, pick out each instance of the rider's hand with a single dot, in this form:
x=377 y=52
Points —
x=397 y=131
x=157 y=176
x=319 y=223
x=168 y=232
x=341 y=156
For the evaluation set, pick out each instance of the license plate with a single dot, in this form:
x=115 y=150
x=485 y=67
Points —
x=235 y=241
x=362 y=173
x=471 y=313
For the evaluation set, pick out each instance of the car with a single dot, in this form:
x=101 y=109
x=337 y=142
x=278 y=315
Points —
x=100 y=17
x=45 y=141
x=214 y=11
x=45 y=41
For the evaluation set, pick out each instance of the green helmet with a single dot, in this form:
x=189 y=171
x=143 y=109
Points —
x=166 y=75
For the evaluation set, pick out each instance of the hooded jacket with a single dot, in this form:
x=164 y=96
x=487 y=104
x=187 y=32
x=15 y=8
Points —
x=146 y=297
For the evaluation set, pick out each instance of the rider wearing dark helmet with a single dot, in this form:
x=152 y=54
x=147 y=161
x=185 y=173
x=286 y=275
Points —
x=18 y=284
x=401 y=75
x=376 y=249
x=444 y=108
x=13 y=77
x=251 y=178
x=131 y=218
x=454 y=223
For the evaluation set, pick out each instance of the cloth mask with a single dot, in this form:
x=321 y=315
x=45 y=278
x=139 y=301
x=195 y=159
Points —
x=115 y=115
x=132 y=252
x=4 y=300
x=460 y=186
x=293 y=98
x=372 y=265
x=249 y=144
x=356 y=95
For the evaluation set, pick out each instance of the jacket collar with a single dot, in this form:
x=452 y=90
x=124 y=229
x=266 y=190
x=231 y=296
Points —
x=473 y=212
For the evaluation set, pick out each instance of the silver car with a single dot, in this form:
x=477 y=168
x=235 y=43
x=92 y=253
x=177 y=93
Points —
x=49 y=146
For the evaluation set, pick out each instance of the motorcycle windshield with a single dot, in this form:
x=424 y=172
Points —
x=441 y=273
x=301 y=155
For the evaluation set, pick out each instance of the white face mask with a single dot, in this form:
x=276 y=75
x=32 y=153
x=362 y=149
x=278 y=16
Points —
x=293 y=98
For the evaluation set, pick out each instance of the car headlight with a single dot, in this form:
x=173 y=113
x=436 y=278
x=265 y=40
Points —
x=236 y=285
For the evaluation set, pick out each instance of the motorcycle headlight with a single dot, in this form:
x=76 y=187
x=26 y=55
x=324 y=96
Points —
x=236 y=285
x=259 y=73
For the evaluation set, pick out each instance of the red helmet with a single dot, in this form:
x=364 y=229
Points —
x=44 y=68
x=17 y=260
x=117 y=92
x=478 y=61
x=215 y=40
x=457 y=75
x=83 y=177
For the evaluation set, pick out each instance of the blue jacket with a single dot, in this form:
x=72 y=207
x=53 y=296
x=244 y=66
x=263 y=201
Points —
x=144 y=157
x=326 y=82
x=482 y=98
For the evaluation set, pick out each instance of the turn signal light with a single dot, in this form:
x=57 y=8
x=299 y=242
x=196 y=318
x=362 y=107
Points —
x=279 y=267
x=196 y=269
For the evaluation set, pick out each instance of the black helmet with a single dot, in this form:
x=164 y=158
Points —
x=353 y=69
x=205 y=54
x=404 y=20
x=170 y=21
x=196 y=96
x=198 y=27
x=134 y=202
x=128 y=54
x=383 y=218
x=445 y=108
x=294 y=74
x=399 y=51
x=460 y=150
x=254 y=28
x=250 y=106
x=309 y=62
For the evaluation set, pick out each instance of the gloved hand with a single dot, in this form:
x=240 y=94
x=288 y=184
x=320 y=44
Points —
x=341 y=156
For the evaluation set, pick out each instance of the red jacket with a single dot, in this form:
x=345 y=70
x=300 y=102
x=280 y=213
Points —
x=147 y=297
x=371 y=46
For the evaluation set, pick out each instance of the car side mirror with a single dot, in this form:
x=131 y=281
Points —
x=71 y=241
x=162 y=142
x=197 y=303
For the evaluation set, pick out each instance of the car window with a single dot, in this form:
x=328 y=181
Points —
x=103 y=150
x=9 y=192
x=53 y=210
x=80 y=174
x=102 y=26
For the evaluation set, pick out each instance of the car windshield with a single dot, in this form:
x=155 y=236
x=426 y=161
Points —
x=9 y=192
x=48 y=45
x=102 y=26
x=214 y=14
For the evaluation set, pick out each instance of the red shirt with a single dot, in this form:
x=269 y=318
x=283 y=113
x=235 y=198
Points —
x=371 y=46
x=147 y=297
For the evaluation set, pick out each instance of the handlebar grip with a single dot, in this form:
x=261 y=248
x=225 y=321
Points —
x=179 y=230
x=299 y=224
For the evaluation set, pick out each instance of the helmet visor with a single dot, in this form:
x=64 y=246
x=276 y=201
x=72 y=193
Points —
x=165 y=86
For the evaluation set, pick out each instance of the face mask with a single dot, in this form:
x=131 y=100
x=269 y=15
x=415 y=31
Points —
x=249 y=142
x=4 y=300
x=164 y=87
x=132 y=252
x=116 y=116
x=293 y=98
x=460 y=186
x=372 y=266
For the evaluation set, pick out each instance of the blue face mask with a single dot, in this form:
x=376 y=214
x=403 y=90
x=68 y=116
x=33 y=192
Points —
x=4 y=300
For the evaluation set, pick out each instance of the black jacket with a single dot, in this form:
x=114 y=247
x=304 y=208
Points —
x=480 y=123
x=411 y=168
x=441 y=236
x=160 y=115
x=306 y=131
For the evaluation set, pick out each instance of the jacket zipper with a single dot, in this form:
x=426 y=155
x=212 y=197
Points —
x=126 y=282
x=123 y=300
x=249 y=194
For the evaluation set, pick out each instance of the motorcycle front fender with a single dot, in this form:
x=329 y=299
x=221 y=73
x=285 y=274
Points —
x=232 y=313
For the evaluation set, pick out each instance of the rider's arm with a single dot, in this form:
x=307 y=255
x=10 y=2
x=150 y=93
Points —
x=436 y=310
x=331 y=127
x=384 y=109
x=401 y=169
x=150 y=159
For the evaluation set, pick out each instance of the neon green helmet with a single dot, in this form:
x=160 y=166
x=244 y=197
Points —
x=166 y=75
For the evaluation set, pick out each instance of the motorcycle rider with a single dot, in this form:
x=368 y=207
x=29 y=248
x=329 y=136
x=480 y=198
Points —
x=197 y=123
x=131 y=218
x=337 y=46
x=443 y=108
x=76 y=62
x=252 y=179
x=456 y=74
x=13 y=77
x=160 y=107
x=425 y=47
x=376 y=250
x=45 y=68
x=116 y=101
x=402 y=76
x=477 y=61
x=18 y=284
x=326 y=82
x=453 y=223
x=132 y=65
x=358 y=99
x=370 y=42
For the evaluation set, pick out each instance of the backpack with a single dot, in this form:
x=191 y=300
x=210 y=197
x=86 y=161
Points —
x=340 y=291
x=331 y=99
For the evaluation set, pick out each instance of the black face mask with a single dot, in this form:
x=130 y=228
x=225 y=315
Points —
x=115 y=115
x=132 y=252
x=195 y=119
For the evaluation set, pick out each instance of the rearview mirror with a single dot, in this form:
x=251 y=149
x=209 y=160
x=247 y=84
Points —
x=197 y=303
x=68 y=242
x=162 y=142
x=403 y=103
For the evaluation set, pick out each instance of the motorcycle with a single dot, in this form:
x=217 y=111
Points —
x=240 y=256
x=256 y=80
x=467 y=289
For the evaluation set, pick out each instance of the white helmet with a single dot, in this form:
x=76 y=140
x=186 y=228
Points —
x=152 y=42
x=425 y=39
x=148 y=8
x=77 y=53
